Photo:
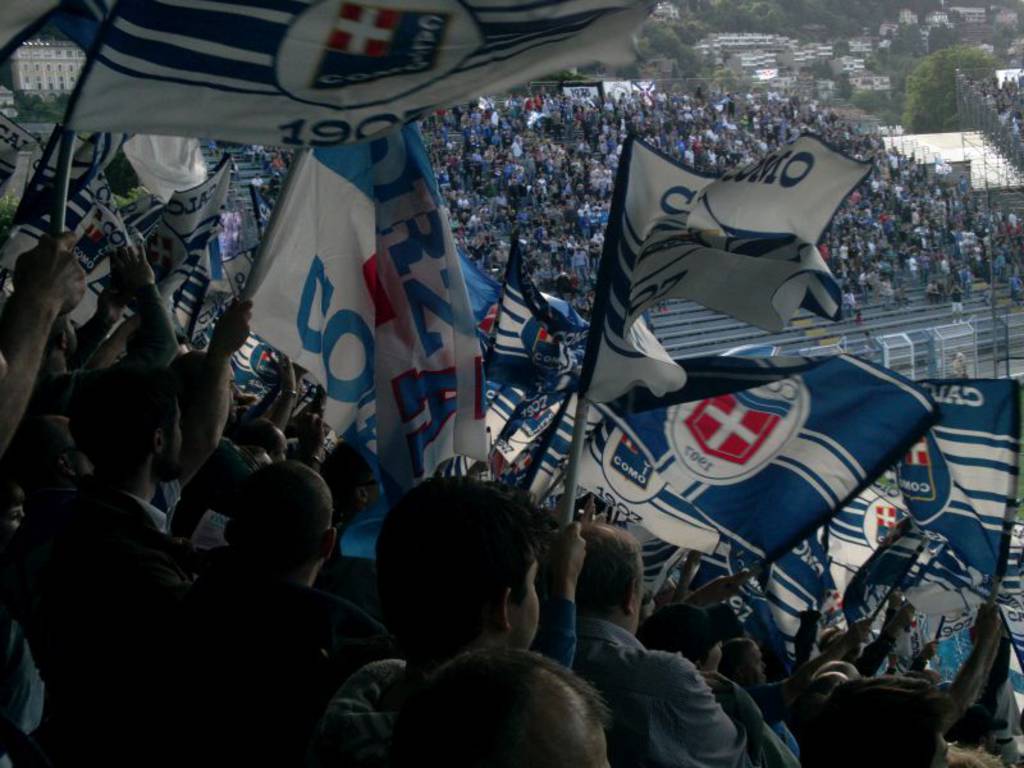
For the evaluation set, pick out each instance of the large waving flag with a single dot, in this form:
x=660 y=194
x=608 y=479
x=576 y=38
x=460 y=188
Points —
x=14 y=140
x=333 y=72
x=860 y=527
x=799 y=581
x=960 y=480
x=166 y=164
x=744 y=244
x=360 y=283
x=765 y=467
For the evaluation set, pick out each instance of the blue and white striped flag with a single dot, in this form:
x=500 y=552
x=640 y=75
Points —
x=744 y=244
x=960 y=480
x=799 y=581
x=333 y=72
x=536 y=346
x=14 y=141
x=765 y=467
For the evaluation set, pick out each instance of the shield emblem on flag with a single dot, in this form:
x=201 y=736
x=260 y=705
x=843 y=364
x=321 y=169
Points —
x=729 y=429
x=727 y=438
x=366 y=42
x=924 y=478
x=627 y=470
x=880 y=519
x=544 y=348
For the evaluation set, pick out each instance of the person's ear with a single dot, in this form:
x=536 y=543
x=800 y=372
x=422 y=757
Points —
x=497 y=616
x=159 y=440
x=632 y=601
x=329 y=544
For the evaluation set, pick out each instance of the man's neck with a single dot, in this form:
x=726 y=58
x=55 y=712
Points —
x=618 y=618
x=140 y=485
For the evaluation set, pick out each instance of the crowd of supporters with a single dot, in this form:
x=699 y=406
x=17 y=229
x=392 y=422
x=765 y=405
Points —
x=171 y=587
x=544 y=166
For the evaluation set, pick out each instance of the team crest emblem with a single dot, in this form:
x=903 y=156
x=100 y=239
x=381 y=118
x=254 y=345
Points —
x=544 y=348
x=376 y=52
x=924 y=478
x=881 y=519
x=627 y=470
x=730 y=437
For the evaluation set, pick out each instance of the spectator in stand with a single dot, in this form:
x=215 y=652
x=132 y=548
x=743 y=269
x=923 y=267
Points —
x=259 y=651
x=663 y=712
x=485 y=544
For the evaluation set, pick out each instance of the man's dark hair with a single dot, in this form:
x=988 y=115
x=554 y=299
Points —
x=115 y=413
x=281 y=514
x=480 y=709
x=855 y=707
x=612 y=563
x=345 y=470
x=735 y=653
x=31 y=459
x=679 y=628
x=448 y=549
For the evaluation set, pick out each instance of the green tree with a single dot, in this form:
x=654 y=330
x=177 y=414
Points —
x=941 y=37
x=121 y=175
x=844 y=89
x=931 y=88
x=35 y=109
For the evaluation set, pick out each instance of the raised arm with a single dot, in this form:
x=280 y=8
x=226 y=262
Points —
x=970 y=680
x=203 y=423
x=48 y=280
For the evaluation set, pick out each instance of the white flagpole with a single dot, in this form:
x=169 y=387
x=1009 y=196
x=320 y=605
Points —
x=572 y=468
x=61 y=182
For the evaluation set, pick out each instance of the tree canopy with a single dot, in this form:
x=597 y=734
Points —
x=931 y=88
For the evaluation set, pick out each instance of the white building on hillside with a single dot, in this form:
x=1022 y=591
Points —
x=665 y=11
x=868 y=81
x=938 y=19
x=850 y=65
x=46 y=67
x=970 y=14
x=907 y=16
x=1006 y=18
x=861 y=46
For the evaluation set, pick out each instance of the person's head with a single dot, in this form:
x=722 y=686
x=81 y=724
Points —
x=610 y=585
x=282 y=522
x=502 y=709
x=456 y=564
x=126 y=420
x=263 y=433
x=684 y=629
x=11 y=511
x=742 y=662
x=350 y=478
x=854 y=707
x=43 y=454
x=844 y=668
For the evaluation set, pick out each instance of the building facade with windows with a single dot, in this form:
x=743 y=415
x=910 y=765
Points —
x=46 y=68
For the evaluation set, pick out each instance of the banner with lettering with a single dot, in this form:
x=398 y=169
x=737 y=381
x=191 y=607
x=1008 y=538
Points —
x=333 y=72
x=14 y=141
x=359 y=282
x=744 y=244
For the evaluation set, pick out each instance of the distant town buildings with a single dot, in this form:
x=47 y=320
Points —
x=665 y=11
x=868 y=81
x=46 y=68
x=969 y=14
x=907 y=17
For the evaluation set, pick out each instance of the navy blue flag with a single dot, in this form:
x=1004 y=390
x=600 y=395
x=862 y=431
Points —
x=327 y=73
x=960 y=480
x=261 y=209
x=535 y=346
x=891 y=567
x=765 y=467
